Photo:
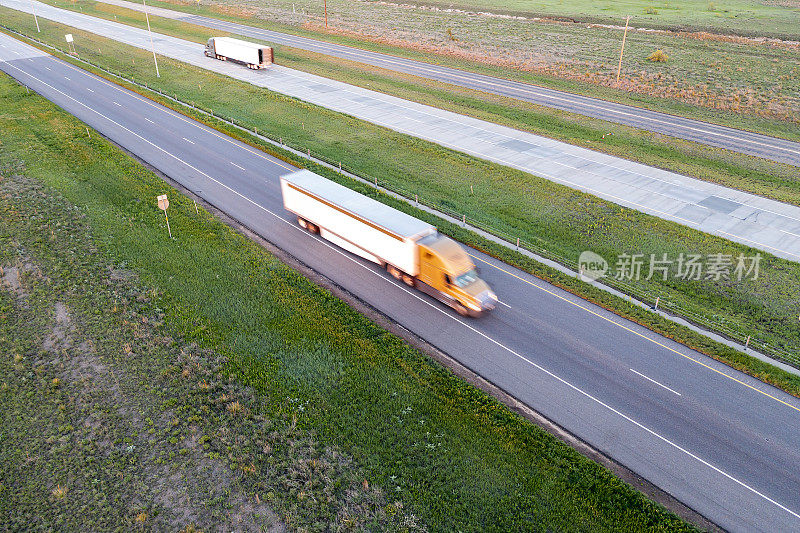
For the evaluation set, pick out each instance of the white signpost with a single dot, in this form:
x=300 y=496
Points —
x=163 y=204
x=70 y=40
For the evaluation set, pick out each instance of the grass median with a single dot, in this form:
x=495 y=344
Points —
x=547 y=215
x=135 y=347
x=731 y=169
x=700 y=80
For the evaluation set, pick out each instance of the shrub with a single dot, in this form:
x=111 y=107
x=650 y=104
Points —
x=658 y=56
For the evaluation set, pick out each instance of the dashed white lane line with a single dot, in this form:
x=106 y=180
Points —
x=66 y=78
x=148 y=120
x=656 y=382
x=188 y=141
x=117 y=103
x=503 y=303
x=499 y=344
x=88 y=89
x=237 y=166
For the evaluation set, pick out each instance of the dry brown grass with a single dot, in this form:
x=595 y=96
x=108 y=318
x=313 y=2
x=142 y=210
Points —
x=235 y=407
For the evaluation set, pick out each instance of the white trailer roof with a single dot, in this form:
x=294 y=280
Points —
x=380 y=214
x=239 y=42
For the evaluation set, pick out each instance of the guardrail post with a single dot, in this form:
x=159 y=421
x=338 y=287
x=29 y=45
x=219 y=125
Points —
x=655 y=307
x=747 y=343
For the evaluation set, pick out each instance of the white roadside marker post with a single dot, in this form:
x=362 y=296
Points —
x=163 y=204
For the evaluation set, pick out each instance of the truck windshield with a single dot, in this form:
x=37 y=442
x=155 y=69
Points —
x=466 y=278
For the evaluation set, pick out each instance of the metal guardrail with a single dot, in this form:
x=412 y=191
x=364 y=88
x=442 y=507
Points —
x=652 y=299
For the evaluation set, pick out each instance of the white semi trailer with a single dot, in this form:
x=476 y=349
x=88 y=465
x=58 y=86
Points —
x=411 y=250
x=253 y=55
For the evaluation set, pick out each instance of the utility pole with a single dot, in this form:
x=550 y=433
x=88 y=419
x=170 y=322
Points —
x=619 y=68
x=152 y=46
x=326 y=13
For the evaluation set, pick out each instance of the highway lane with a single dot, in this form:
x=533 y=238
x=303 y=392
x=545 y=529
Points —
x=720 y=441
x=746 y=218
x=746 y=142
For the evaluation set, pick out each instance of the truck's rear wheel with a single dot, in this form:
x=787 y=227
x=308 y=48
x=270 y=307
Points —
x=461 y=309
x=409 y=280
x=302 y=222
x=394 y=271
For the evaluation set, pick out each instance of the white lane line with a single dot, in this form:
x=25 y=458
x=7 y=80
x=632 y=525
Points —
x=66 y=78
x=88 y=89
x=261 y=155
x=175 y=115
x=542 y=369
x=580 y=186
x=503 y=303
x=656 y=382
x=540 y=92
x=117 y=103
x=48 y=68
x=501 y=345
x=632 y=331
x=613 y=198
x=188 y=141
x=237 y=166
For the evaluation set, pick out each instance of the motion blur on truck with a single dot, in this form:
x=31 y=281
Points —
x=411 y=250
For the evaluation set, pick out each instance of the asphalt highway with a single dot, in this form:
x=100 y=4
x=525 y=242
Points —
x=725 y=444
x=746 y=142
x=735 y=215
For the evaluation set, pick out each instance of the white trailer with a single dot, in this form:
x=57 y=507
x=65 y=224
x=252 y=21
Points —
x=253 y=55
x=355 y=222
x=411 y=250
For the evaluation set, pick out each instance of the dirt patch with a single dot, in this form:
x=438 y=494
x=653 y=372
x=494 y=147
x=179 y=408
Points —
x=58 y=340
x=10 y=280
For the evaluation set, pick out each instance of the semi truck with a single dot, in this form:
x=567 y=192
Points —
x=253 y=55
x=412 y=251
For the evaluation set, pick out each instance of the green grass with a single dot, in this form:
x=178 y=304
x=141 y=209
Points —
x=335 y=400
x=740 y=84
x=758 y=176
x=746 y=86
x=562 y=221
x=748 y=17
